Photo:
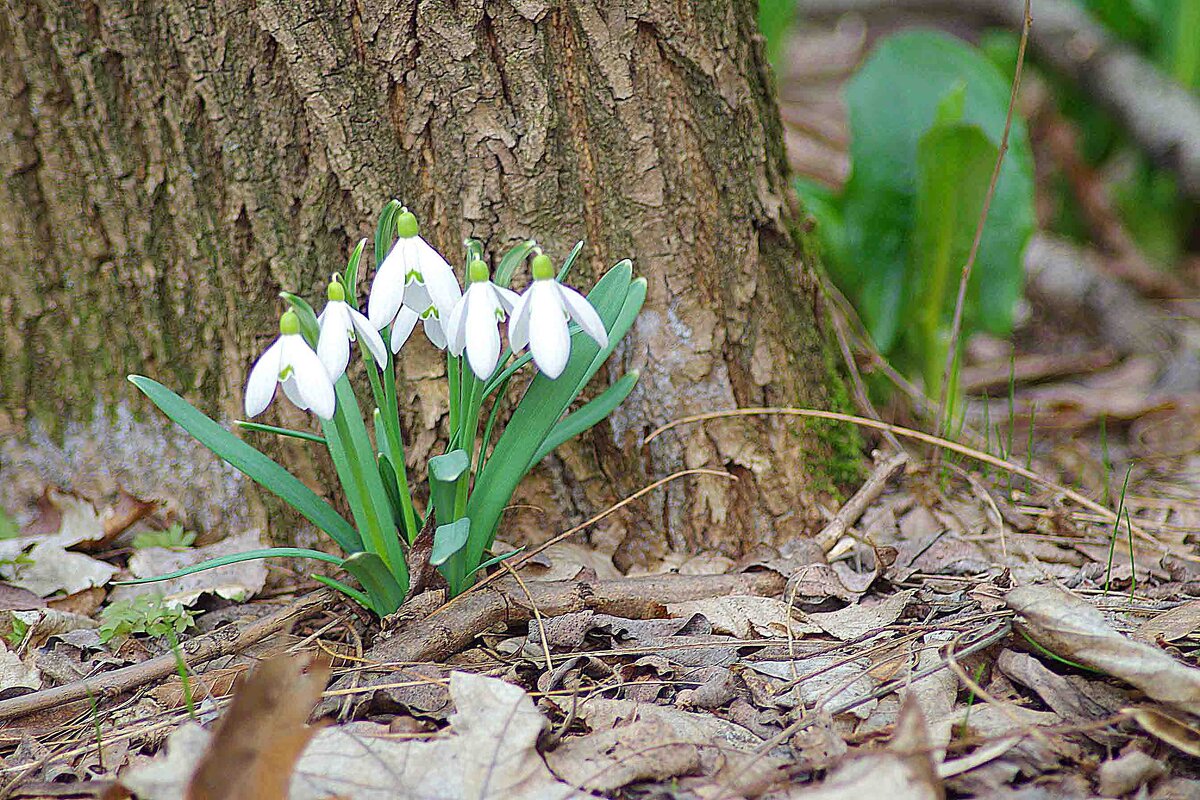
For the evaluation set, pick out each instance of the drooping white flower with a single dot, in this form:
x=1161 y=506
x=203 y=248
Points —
x=341 y=324
x=413 y=277
x=290 y=361
x=473 y=325
x=539 y=319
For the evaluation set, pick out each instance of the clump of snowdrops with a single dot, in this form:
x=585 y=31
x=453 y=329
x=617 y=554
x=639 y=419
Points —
x=557 y=340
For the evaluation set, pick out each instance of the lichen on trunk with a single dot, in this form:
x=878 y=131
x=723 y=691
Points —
x=166 y=168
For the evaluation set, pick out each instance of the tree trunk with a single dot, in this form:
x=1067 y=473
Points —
x=166 y=167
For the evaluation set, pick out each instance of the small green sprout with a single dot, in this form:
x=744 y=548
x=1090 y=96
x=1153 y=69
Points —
x=149 y=614
x=173 y=538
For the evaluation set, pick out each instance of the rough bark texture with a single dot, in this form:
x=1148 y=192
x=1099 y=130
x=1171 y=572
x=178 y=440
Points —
x=166 y=167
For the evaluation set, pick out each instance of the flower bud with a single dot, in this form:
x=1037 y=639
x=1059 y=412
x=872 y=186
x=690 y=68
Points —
x=477 y=271
x=289 y=323
x=406 y=225
x=543 y=267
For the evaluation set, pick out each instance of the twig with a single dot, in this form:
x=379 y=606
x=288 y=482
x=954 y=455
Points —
x=919 y=436
x=221 y=642
x=961 y=301
x=856 y=506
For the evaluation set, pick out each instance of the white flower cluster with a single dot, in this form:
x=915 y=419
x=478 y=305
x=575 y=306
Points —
x=415 y=282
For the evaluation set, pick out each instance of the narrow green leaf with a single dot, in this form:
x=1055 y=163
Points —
x=580 y=420
x=235 y=558
x=511 y=260
x=350 y=277
x=385 y=231
x=308 y=318
x=252 y=463
x=383 y=588
x=495 y=560
x=354 y=594
x=565 y=270
x=449 y=539
x=293 y=434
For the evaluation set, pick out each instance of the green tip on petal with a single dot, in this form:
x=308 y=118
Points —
x=477 y=271
x=336 y=292
x=543 y=267
x=406 y=225
x=289 y=323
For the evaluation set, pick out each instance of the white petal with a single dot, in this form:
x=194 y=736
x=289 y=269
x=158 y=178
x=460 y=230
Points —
x=438 y=278
x=416 y=297
x=549 y=341
x=312 y=381
x=583 y=313
x=264 y=377
x=483 y=339
x=293 y=393
x=435 y=332
x=402 y=328
x=456 y=324
x=387 y=292
x=368 y=337
x=518 y=322
x=333 y=345
x=507 y=298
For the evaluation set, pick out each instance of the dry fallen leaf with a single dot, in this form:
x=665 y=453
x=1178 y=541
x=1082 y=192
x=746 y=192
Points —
x=743 y=616
x=49 y=568
x=17 y=676
x=259 y=739
x=1075 y=630
x=854 y=621
x=609 y=759
x=1178 y=623
x=1121 y=776
x=1173 y=731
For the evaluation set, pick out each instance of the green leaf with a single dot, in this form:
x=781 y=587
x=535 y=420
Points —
x=236 y=558
x=544 y=403
x=448 y=539
x=444 y=473
x=260 y=428
x=893 y=101
x=308 y=318
x=350 y=277
x=954 y=166
x=585 y=417
x=569 y=262
x=495 y=560
x=385 y=231
x=252 y=463
x=383 y=589
x=511 y=260
x=354 y=594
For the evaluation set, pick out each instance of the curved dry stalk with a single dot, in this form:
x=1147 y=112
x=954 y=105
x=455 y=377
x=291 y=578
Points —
x=908 y=433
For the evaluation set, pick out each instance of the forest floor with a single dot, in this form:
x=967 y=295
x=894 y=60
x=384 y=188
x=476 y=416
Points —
x=1013 y=614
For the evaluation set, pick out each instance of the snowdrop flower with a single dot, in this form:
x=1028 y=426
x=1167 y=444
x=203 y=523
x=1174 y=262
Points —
x=340 y=325
x=290 y=361
x=414 y=282
x=473 y=323
x=539 y=319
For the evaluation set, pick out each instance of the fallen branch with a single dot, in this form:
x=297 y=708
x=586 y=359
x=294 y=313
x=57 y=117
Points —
x=856 y=506
x=1159 y=114
x=453 y=627
x=221 y=642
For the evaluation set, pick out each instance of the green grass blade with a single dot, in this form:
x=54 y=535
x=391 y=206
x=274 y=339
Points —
x=350 y=277
x=585 y=417
x=565 y=270
x=511 y=260
x=253 y=464
x=354 y=594
x=288 y=432
x=237 y=558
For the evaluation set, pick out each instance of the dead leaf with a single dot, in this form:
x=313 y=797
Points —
x=43 y=623
x=743 y=616
x=489 y=754
x=17 y=676
x=566 y=561
x=234 y=582
x=211 y=683
x=1074 y=629
x=255 y=748
x=1173 y=625
x=128 y=509
x=14 y=598
x=1121 y=776
x=604 y=761
x=51 y=569
x=853 y=622
x=1171 y=730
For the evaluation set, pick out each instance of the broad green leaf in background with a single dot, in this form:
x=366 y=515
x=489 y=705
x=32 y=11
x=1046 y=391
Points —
x=954 y=165
x=893 y=101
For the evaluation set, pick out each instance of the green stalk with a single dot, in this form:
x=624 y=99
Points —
x=391 y=419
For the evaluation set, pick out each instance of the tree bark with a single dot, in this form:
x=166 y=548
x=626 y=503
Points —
x=167 y=167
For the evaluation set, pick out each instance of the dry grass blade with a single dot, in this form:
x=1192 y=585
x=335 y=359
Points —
x=908 y=433
x=255 y=749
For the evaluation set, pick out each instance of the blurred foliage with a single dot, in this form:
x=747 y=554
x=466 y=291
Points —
x=775 y=17
x=927 y=114
x=148 y=614
x=173 y=538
